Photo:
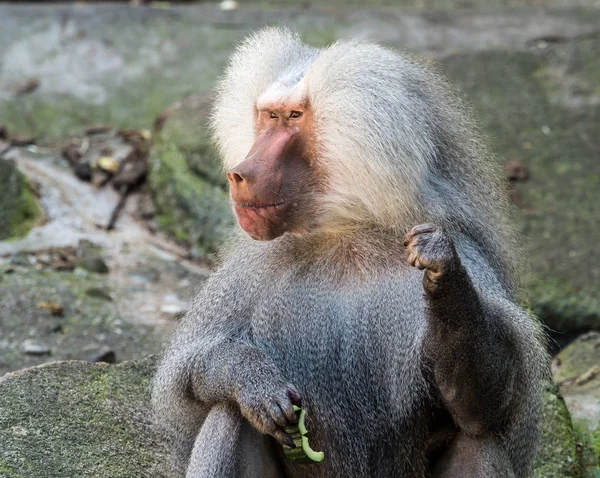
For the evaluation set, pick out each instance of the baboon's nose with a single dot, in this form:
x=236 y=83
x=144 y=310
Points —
x=234 y=177
x=244 y=175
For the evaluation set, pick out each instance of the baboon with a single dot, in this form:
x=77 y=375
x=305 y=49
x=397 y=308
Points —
x=375 y=281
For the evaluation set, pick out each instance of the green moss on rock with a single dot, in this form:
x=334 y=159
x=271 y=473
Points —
x=187 y=180
x=186 y=126
x=70 y=419
x=19 y=210
x=86 y=321
x=557 y=456
x=530 y=114
x=578 y=357
x=577 y=371
x=78 y=419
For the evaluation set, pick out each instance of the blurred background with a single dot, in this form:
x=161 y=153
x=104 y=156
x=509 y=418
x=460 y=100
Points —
x=113 y=203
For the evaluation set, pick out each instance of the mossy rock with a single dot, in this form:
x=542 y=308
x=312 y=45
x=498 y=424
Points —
x=78 y=419
x=187 y=179
x=75 y=419
x=578 y=375
x=185 y=124
x=557 y=455
x=88 y=319
x=117 y=65
x=541 y=107
x=19 y=210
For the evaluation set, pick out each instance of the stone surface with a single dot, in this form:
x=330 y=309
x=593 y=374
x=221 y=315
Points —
x=31 y=335
x=78 y=419
x=90 y=257
x=75 y=419
x=48 y=296
x=31 y=347
x=558 y=456
x=577 y=371
x=186 y=179
x=113 y=64
x=530 y=73
x=157 y=56
x=19 y=210
x=542 y=107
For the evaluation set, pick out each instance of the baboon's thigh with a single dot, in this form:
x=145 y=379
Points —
x=228 y=447
x=473 y=458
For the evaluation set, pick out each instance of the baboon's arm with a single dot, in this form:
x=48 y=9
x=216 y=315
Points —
x=212 y=358
x=470 y=345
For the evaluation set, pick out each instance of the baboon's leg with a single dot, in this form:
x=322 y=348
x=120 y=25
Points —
x=228 y=447
x=473 y=458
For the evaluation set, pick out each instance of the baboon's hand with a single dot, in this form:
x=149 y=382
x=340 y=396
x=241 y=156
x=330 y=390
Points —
x=430 y=249
x=269 y=409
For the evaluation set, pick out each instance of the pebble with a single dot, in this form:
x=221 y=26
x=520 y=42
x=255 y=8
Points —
x=94 y=264
x=173 y=309
x=99 y=354
x=173 y=305
x=99 y=293
x=30 y=347
x=227 y=5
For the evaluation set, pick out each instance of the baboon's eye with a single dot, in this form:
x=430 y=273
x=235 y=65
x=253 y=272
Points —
x=295 y=114
x=273 y=115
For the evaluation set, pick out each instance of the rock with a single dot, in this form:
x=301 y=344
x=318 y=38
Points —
x=31 y=347
x=65 y=418
x=85 y=320
x=71 y=419
x=119 y=64
x=95 y=353
x=173 y=305
x=171 y=309
x=99 y=293
x=90 y=257
x=556 y=139
x=94 y=264
x=19 y=210
x=186 y=179
x=557 y=456
x=145 y=274
x=577 y=371
x=80 y=69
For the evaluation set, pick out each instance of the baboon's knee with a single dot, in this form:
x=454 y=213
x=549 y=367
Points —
x=228 y=447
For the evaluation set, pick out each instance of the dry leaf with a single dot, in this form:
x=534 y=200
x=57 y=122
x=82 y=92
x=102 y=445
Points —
x=51 y=307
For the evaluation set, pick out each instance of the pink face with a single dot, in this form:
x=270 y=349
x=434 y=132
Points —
x=265 y=187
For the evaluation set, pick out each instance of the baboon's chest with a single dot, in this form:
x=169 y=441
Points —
x=360 y=322
x=354 y=354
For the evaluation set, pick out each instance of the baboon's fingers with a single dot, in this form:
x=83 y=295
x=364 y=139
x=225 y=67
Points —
x=420 y=229
x=283 y=438
x=277 y=413
x=412 y=258
x=294 y=396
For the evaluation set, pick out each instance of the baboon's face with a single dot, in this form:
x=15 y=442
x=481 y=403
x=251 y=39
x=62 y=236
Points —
x=269 y=188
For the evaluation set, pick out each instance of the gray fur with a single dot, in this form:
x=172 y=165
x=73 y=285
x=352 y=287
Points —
x=338 y=312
